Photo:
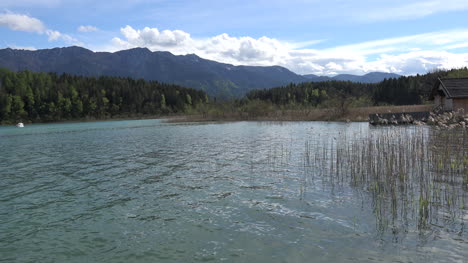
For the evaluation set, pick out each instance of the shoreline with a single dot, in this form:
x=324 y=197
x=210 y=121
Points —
x=358 y=114
x=93 y=120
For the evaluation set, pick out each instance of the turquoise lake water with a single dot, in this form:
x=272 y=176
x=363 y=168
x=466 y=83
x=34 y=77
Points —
x=150 y=191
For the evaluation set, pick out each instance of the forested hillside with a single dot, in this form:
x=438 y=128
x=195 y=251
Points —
x=40 y=97
x=394 y=91
x=217 y=79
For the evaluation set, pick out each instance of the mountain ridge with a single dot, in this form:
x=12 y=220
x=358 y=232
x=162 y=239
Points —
x=371 y=77
x=217 y=79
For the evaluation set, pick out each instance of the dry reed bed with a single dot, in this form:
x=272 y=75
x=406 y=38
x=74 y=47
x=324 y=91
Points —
x=304 y=114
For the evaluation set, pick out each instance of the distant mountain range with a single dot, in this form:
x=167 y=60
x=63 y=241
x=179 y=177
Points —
x=217 y=79
x=372 y=77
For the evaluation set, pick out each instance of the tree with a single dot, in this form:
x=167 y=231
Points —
x=17 y=108
x=50 y=97
x=5 y=107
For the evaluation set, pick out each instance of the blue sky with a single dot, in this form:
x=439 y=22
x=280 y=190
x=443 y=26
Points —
x=306 y=36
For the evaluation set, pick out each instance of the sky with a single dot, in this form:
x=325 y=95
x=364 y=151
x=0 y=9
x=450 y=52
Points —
x=318 y=37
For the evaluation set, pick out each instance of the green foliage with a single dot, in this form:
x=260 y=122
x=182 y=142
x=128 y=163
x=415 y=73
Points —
x=27 y=96
x=458 y=73
x=256 y=108
x=314 y=94
x=404 y=90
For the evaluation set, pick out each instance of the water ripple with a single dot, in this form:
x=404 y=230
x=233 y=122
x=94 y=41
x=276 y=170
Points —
x=146 y=191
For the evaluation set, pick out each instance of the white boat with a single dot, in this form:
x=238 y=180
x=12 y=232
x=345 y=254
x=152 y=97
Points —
x=20 y=125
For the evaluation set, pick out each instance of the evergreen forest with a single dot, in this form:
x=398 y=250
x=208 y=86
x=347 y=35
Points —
x=45 y=97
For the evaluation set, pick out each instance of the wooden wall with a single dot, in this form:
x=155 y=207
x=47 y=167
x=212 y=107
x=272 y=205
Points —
x=460 y=104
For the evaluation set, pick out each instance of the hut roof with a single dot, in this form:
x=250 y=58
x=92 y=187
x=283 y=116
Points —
x=455 y=87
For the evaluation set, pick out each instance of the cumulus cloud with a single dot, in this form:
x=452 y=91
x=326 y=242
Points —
x=153 y=37
x=56 y=35
x=222 y=47
x=404 y=55
x=419 y=62
x=86 y=29
x=19 y=22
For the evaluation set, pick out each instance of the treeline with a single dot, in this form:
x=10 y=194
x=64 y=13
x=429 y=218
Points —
x=409 y=90
x=312 y=93
x=41 y=97
x=412 y=89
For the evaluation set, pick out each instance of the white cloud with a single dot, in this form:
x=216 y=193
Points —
x=334 y=66
x=19 y=22
x=243 y=50
x=404 y=55
x=152 y=37
x=86 y=29
x=56 y=35
x=419 y=62
x=53 y=35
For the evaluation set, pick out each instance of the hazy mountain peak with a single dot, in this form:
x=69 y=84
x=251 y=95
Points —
x=371 y=77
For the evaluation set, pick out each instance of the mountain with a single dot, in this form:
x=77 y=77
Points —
x=372 y=77
x=315 y=78
x=217 y=79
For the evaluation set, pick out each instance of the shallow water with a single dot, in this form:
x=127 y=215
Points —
x=149 y=191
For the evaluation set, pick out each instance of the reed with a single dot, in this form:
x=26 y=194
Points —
x=271 y=113
x=416 y=177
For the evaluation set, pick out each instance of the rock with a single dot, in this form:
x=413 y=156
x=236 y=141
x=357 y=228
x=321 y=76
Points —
x=431 y=120
x=404 y=119
x=419 y=123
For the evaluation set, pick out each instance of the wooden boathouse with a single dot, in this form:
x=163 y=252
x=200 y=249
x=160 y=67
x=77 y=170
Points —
x=451 y=94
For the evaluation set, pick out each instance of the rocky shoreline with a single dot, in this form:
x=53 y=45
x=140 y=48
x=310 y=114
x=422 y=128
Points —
x=448 y=120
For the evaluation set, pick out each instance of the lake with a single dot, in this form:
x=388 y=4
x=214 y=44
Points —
x=150 y=191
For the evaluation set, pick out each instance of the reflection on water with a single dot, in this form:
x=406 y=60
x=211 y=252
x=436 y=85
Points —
x=146 y=191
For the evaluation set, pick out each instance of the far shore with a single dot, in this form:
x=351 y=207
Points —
x=358 y=114
x=120 y=118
